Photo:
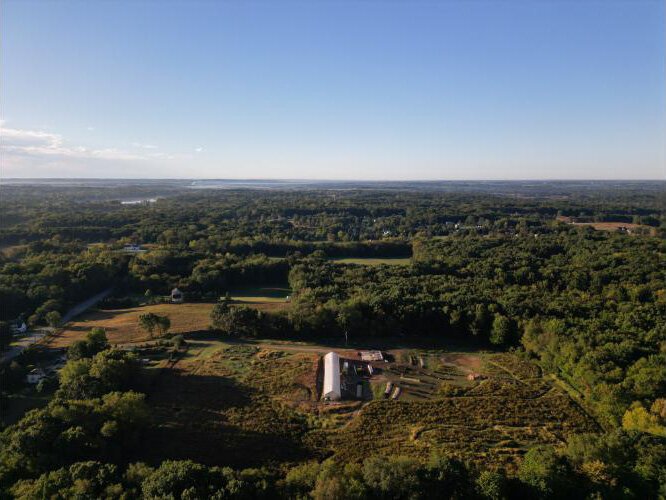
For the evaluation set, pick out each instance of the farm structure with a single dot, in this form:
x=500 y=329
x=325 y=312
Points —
x=35 y=376
x=257 y=403
x=20 y=328
x=331 y=390
x=177 y=296
x=133 y=248
x=345 y=378
x=371 y=355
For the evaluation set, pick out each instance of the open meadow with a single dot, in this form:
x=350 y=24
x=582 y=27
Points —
x=610 y=226
x=374 y=261
x=122 y=325
x=241 y=403
x=257 y=402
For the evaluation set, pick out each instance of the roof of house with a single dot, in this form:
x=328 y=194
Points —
x=372 y=356
x=332 y=374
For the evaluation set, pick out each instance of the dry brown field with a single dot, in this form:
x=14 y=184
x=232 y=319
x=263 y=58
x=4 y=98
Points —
x=122 y=325
x=608 y=226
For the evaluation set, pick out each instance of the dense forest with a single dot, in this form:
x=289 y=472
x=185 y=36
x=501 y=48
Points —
x=499 y=267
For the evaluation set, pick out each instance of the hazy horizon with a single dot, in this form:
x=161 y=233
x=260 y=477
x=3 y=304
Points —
x=337 y=91
x=340 y=180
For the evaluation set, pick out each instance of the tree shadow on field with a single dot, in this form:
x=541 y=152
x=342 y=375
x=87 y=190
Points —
x=201 y=418
x=179 y=389
x=220 y=445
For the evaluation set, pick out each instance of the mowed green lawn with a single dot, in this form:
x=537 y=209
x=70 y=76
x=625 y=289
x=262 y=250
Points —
x=372 y=261
x=260 y=294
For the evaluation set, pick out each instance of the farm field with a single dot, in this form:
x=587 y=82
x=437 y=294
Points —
x=493 y=428
x=257 y=403
x=241 y=404
x=494 y=418
x=262 y=298
x=121 y=325
x=371 y=261
x=611 y=226
x=608 y=226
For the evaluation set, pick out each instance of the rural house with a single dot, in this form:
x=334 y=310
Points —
x=133 y=248
x=22 y=328
x=36 y=376
x=177 y=296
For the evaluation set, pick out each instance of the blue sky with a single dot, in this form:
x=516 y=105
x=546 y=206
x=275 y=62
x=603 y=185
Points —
x=334 y=90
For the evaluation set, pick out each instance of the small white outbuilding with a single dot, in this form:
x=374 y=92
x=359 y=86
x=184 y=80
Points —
x=331 y=377
x=177 y=296
x=35 y=376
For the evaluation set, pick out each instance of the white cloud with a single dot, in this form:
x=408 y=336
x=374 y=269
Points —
x=90 y=128
x=38 y=143
x=28 y=153
x=198 y=150
x=143 y=146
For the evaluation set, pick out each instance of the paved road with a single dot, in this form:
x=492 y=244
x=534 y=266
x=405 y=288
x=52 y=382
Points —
x=22 y=343
x=35 y=336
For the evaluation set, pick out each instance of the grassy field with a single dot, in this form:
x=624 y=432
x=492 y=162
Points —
x=492 y=420
x=494 y=428
x=10 y=251
x=609 y=226
x=371 y=261
x=262 y=298
x=121 y=325
x=257 y=403
x=239 y=404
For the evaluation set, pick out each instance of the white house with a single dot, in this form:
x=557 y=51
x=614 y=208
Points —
x=177 y=296
x=132 y=248
x=331 y=377
x=22 y=328
x=35 y=376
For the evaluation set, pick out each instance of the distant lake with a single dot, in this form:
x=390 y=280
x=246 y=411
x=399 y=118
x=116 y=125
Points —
x=247 y=183
x=138 y=202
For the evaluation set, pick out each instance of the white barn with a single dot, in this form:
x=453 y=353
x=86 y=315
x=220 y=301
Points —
x=331 y=377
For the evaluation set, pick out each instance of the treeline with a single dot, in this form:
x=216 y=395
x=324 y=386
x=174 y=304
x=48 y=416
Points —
x=307 y=216
x=95 y=414
x=53 y=275
x=581 y=471
x=286 y=248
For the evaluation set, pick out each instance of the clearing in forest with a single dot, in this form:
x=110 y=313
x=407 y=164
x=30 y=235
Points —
x=609 y=226
x=254 y=403
x=122 y=326
x=264 y=298
x=237 y=404
x=374 y=261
